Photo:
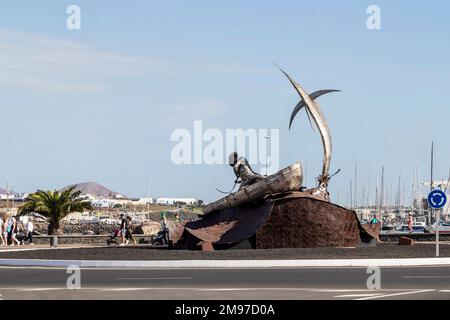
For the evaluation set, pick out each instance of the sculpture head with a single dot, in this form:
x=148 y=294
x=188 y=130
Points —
x=232 y=158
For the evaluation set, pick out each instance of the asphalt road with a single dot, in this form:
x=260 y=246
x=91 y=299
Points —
x=300 y=283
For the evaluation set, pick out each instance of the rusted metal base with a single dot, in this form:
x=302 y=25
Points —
x=293 y=220
x=306 y=222
x=205 y=246
x=405 y=241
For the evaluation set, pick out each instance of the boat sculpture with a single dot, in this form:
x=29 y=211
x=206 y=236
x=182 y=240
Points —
x=288 y=179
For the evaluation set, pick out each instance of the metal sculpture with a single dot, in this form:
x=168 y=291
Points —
x=313 y=110
x=275 y=212
x=302 y=104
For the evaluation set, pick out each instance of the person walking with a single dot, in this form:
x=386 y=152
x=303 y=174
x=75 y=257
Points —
x=123 y=228
x=4 y=241
x=129 y=231
x=5 y=225
x=164 y=228
x=376 y=226
x=374 y=220
x=410 y=223
x=29 y=232
x=14 y=231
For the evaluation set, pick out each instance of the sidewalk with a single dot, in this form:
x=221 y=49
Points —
x=28 y=247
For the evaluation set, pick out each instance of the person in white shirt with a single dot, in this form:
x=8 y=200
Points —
x=29 y=230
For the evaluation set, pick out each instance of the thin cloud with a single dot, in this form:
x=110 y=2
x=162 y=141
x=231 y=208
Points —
x=37 y=62
x=41 y=63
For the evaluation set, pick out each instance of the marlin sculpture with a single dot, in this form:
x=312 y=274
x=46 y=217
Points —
x=313 y=111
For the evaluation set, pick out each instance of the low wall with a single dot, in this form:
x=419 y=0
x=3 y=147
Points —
x=87 y=239
x=394 y=237
x=143 y=239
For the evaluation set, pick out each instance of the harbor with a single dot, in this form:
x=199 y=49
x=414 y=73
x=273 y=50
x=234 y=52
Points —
x=401 y=210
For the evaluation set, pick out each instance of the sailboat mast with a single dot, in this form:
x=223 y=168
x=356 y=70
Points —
x=432 y=166
x=399 y=192
x=356 y=185
x=377 y=196
x=382 y=190
x=351 y=195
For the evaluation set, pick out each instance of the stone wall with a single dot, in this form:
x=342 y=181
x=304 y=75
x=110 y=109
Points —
x=86 y=239
x=148 y=228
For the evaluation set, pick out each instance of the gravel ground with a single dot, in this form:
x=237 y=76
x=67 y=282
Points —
x=384 y=250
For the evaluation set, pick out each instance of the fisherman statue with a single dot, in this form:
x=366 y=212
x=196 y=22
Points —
x=243 y=171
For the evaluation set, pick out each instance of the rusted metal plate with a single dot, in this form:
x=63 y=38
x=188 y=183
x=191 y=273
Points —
x=405 y=241
x=176 y=230
x=372 y=229
x=205 y=246
x=299 y=220
x=230 y=225
x=290 y=220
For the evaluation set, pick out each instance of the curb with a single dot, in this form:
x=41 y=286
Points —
x=21 y=249
x=221 y=264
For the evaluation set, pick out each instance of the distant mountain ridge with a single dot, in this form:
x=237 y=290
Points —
x=96 y=189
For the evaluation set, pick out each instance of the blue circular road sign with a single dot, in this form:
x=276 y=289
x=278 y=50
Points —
x=437 y=199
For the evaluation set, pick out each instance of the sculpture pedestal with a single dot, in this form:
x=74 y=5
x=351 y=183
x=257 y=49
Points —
x=292 y=220
x=305 y=222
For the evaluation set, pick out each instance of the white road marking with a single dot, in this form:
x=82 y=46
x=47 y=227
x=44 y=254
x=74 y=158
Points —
x=425 y=277
x=167 y=278
x=397 y=294
x=358 y=295
x=124 y=289
x=359 y=290
x=40 y=289
x=447 y=291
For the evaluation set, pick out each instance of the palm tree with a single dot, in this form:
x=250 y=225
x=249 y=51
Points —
x=55 y=205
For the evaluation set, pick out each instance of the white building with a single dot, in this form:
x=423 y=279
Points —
x=172 y=201
x=20 y=196
x=6 y=197
x=107 y=203
x=143 y=201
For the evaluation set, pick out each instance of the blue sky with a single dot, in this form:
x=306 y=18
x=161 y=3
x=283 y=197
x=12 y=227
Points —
x=100 y=103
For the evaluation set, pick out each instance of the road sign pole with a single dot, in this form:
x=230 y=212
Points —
x=437 y=199
x=436 y=223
